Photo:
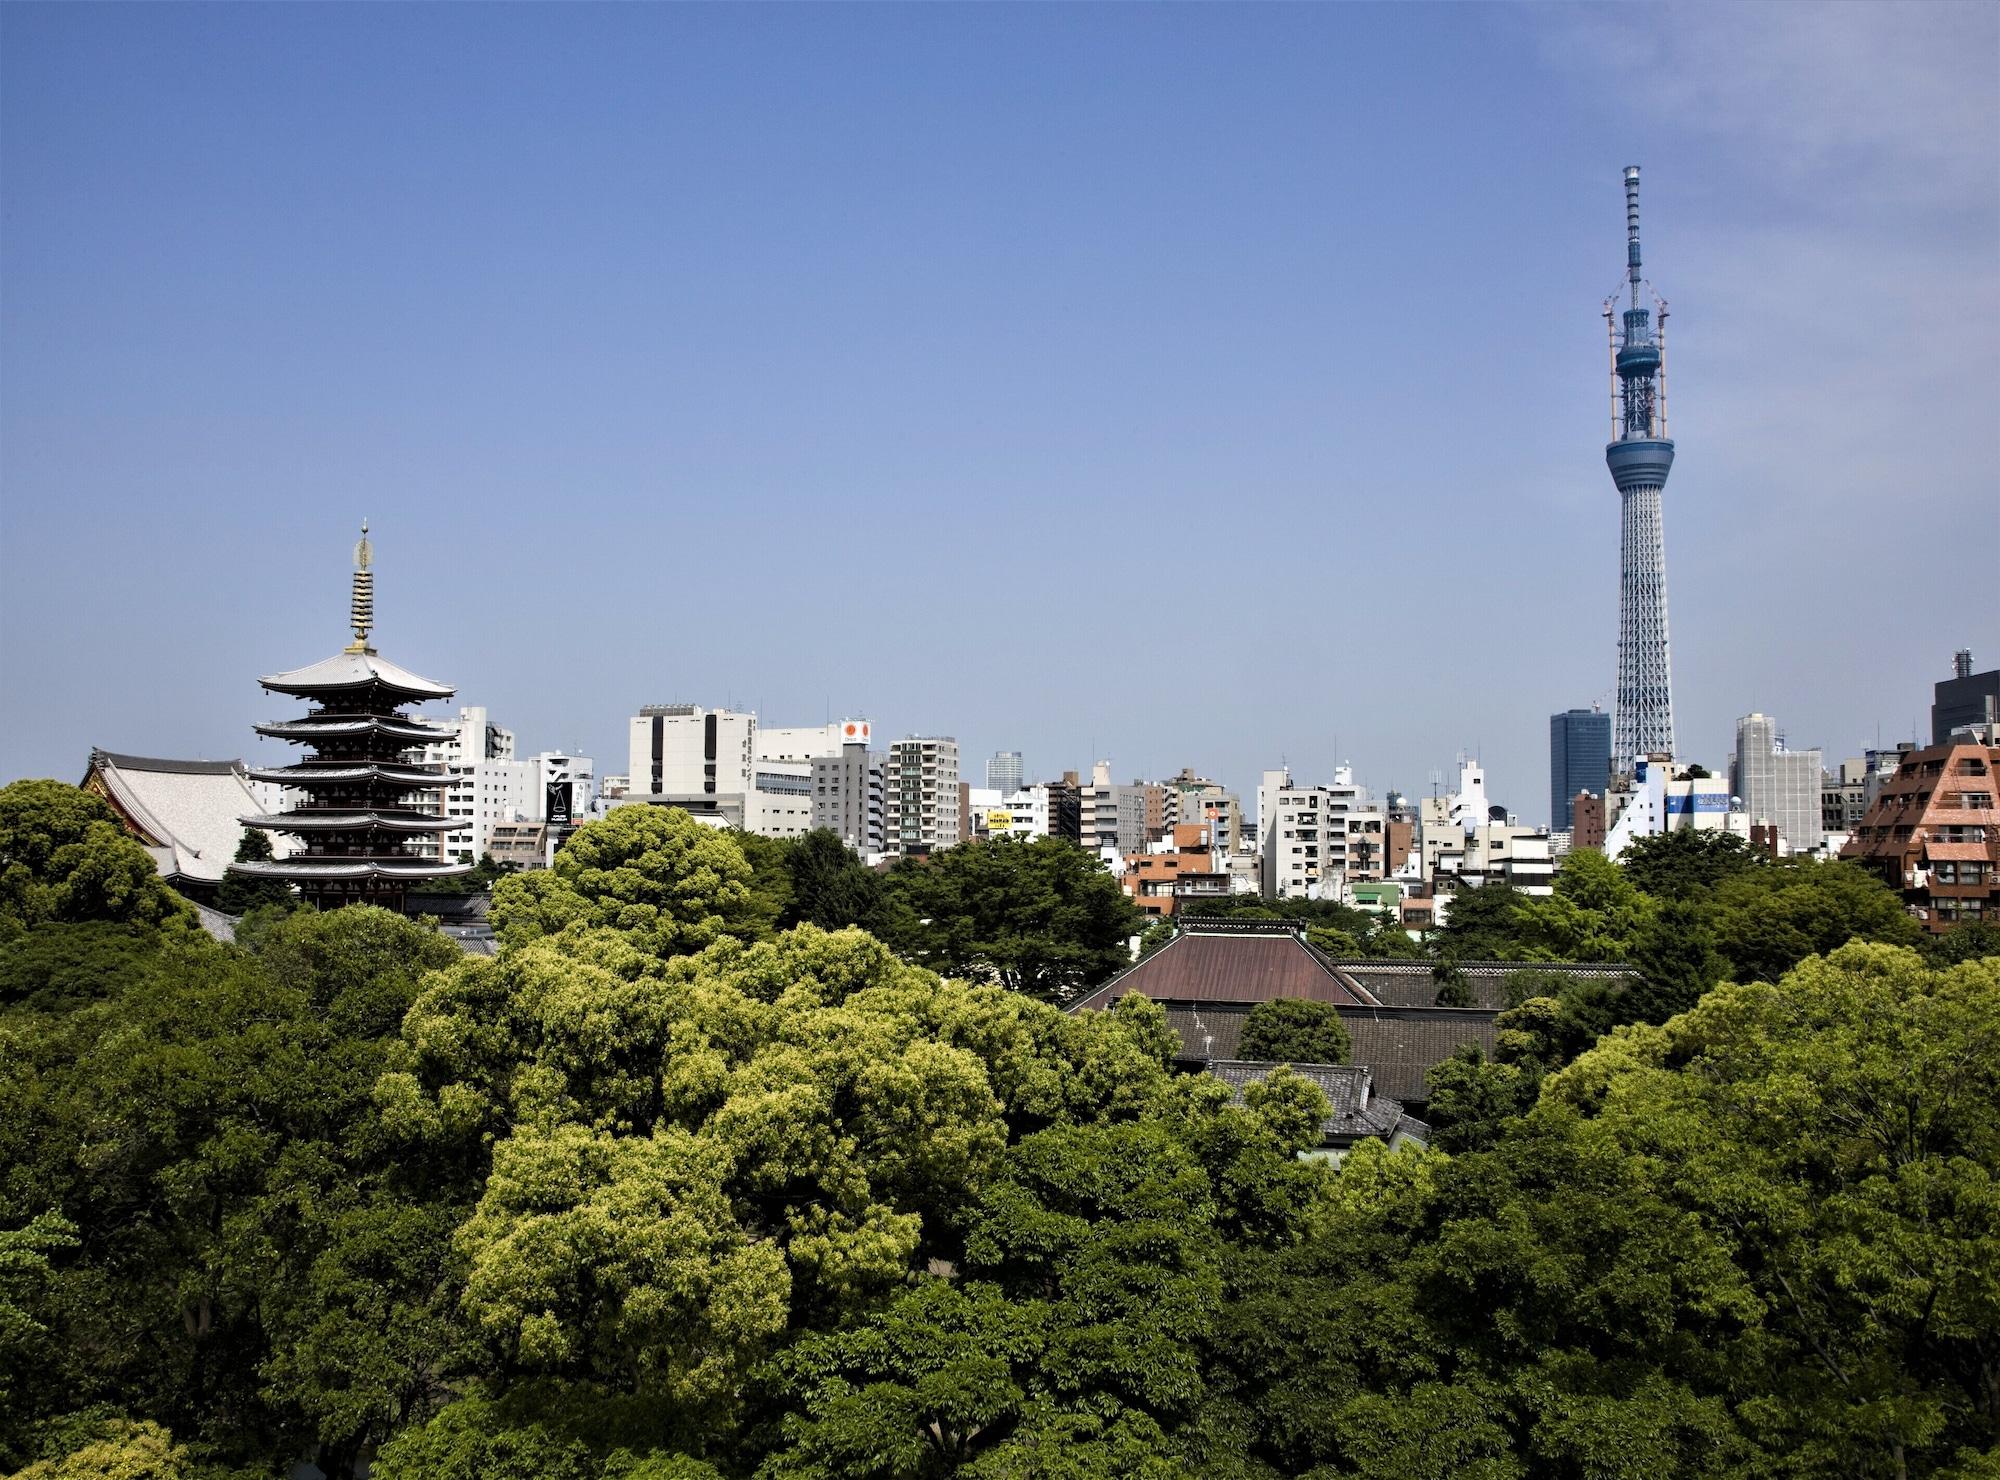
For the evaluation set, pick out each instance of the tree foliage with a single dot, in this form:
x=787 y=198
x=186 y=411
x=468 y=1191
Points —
x=1292 y=1030
x=1039 y=917
x=65 y=857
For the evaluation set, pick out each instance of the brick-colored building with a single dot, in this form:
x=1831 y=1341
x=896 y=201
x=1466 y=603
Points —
x=1933 y=834
x=1157 y=880
x=1586 y=821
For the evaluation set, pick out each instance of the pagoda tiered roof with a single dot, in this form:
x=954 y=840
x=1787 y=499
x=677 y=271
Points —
x=352 y=672
x=414 y=777
x=328 y=725
x=358 y=820
x=307 y=820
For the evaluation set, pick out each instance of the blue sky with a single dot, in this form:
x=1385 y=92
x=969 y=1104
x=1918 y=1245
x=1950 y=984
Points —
x=1182 y=385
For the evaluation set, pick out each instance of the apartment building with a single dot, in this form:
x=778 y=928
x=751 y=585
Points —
x=1933 y=834
x=920 y=795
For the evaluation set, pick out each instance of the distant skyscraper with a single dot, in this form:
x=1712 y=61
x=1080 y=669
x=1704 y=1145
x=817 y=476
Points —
x=1579 y=760
x=1640 y=457
x=1003 y=772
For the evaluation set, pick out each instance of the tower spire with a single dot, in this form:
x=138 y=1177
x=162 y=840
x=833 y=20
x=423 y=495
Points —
x=361 y=606
x=1640 y=456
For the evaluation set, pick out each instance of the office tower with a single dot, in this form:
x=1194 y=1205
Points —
x=1966 y=698
x=1003 y=772
x=1579 y=760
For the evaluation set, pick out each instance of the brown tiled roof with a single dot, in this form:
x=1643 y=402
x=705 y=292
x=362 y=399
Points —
x=1396 y=1045
x=1410 y=983
x=1217 y=967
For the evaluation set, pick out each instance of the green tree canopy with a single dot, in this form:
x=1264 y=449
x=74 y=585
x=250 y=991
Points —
x=1041 y=917
x=669 y=884
x=1686 y=862
x=1482 y=924
x=64 y=856
x=1766 y=920
x=830 y=887
x=1292 y=1030
x=238 y=894
x=1594 y=914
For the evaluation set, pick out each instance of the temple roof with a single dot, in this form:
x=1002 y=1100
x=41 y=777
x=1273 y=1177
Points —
x=409 y=822
x=416 y=778
x=299 y=868
x=187 y=814
x=347 y=670
x=324 y=726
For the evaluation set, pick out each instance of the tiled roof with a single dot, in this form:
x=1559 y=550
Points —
x=1410 y=983
x=1353 y=1110
x=1218 y=967
x=185 y=812
x=1396 y=1045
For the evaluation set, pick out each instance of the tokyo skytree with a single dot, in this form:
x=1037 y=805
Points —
x=1640 y=457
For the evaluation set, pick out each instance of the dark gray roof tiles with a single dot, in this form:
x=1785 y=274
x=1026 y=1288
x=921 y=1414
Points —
x=1354 y=1111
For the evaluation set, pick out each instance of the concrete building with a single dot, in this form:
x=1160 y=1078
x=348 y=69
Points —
x=1184 y=866
x=1003 y=772
x=1579 y=760
x=473 y=737
x=847 y=797
x=685 y=750
x=1966 y=698
x=1777 y=784
x=1933 y=834
x=1653 y=799
x=1190 y=798
x=1112 y=818
x=920 y=795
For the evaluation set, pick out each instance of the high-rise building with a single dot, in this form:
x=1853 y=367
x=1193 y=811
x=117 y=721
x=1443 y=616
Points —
x=1003 y=772
x=920 y=795
x=848 y=796
x=1966 y=698
x=1579 y=760
x=1777 y=784
x=1640 y=456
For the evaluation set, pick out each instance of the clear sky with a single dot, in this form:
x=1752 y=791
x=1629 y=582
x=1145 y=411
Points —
x=1191 y=385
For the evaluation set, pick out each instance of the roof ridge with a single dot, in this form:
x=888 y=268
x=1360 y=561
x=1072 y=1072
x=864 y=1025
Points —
x=163 y=765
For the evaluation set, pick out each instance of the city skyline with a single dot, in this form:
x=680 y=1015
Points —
x=763 y=422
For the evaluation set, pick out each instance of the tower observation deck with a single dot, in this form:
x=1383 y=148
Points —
x=1640 y=456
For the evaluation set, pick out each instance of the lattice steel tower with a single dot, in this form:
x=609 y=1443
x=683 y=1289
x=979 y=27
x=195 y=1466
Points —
x=1640 y=456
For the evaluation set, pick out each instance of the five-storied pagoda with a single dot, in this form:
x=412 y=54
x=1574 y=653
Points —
x=364 y=799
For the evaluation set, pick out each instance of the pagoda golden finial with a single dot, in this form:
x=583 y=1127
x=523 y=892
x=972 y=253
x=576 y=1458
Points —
x=361 y=611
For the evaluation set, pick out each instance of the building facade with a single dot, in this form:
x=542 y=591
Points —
x=1777 y=784
x=1003 y=772
x=1933 y=833
x=848 y=797
x=920 y=795
x=1579 y=761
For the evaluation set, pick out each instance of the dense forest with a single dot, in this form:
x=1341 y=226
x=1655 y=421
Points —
x=739 y=1160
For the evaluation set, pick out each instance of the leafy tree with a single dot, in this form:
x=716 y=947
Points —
x=238 y=894
x=1390 y=941
x=1454 y=987
x=1677 y=960
x=64 y=856
x=1292 y=1030
x=654 y=874
x=485 y=874
x=1483 y=924
x=1973 y=941
x=830 y=887
x=1331 y=942
x=1594 y=914
x=770 y=880
x=1768 y=919
x=1041 y=917
x=25 y=1277
x=118 y=1449
x=1469 y=1099
x=57 y=967
x=1687 y=862
x=1154 y=936
x=1531 y=982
